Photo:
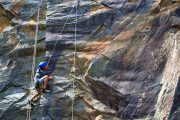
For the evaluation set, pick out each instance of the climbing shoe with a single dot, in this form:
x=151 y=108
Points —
x=46 y=91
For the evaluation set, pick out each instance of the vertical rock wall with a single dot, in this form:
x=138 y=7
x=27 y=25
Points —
x=126 y=65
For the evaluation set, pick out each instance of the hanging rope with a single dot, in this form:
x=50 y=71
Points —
x=34 y=58
x=60 y=34
x=75 y=40
x=75 y=50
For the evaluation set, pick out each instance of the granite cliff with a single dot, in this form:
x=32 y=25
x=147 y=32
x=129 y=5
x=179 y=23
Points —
x=126 y=65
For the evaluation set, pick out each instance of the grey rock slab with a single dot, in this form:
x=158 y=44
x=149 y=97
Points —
x=9 y=100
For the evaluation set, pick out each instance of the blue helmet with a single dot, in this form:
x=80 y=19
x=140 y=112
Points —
x=42 y=65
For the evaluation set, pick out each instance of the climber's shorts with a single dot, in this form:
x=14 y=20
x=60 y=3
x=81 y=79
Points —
x=39 y=82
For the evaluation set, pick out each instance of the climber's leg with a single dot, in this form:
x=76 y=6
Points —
x=36 y=95
x=45 y=81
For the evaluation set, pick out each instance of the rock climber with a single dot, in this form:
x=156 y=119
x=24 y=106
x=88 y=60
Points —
x=41 y=79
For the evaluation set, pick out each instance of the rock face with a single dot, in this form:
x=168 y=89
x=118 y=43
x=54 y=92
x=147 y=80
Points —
x=112 y=59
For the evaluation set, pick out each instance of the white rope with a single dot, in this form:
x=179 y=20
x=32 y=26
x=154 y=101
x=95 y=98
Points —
x=74 y=66
x=35 y=48
x=60 y=34
x=34 y=59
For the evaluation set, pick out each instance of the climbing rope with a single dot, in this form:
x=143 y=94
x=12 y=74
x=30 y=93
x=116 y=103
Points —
x=59 y=35
x=34 y=58
x=75 y=50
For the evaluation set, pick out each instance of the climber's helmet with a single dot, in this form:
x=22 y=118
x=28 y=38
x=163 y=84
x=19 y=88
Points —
x=43 y=65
